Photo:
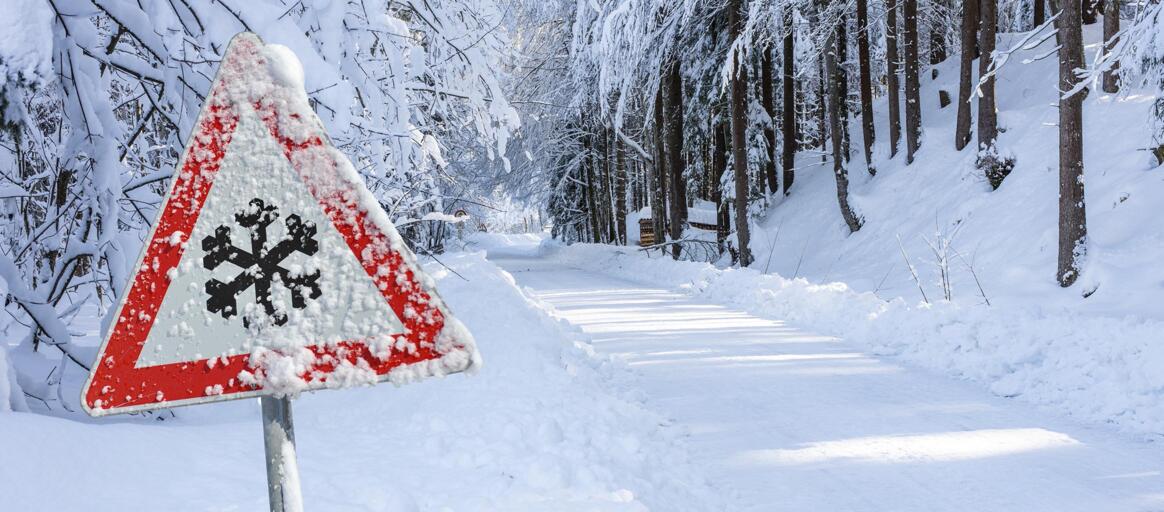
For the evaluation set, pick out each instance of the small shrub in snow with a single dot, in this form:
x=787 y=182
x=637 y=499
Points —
x=995 y=166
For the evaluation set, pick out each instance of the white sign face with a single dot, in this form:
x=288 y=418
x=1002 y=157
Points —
x=217 y=301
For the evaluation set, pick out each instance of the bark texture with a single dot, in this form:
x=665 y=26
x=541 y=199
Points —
x=892 y=71
x=789 y=88
x=768 y=101
x=1072 y=211
x=969 y=36
x=620 y=179
x=659 y=201
x=1111 y=27
x=588 y=172
x=912 y=86
x=836 y=105
x=994 y=166
x=608 y=212
x=676 y=165
x=987 y=113
x=866 y=82
x=821 y=114
x=739 y=108
x=719 y=159
x=842 y=77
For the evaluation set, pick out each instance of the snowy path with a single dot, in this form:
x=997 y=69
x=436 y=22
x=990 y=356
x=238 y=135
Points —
x=786 y=420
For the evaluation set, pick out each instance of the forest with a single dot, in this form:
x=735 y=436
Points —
x=742 y=89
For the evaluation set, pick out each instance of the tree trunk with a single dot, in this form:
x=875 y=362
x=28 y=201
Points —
x=891 y=75
x=867 y=131
x=842 y=77
x=705 y=150
x=837 y=108
x=1111 y=27
x=588 y=164
x=634 y=183
x=1040 y=14
x=659 y=202
x=966 y=73
x=652 y=196
x=836 y=104
x=990 y=162
x=739 y=106
x=606 y=206
x=596 y=185
x=987 y=114
x=788 y=159
x=608 y=185
x=912 y=86
x=768 y=100
x=676 y=164
x=646 y=184
x=718 y=167
x=620 y=179
x=821 y=111
x=1072 y=212
x=755 y=91
x=1090 y=11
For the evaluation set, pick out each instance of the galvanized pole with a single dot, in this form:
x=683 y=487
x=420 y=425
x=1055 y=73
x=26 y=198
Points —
x=279 y=442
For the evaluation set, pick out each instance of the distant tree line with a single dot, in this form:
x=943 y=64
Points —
x=678 y=101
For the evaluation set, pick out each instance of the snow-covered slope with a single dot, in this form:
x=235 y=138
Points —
x=1009 y=236
x=545 y=424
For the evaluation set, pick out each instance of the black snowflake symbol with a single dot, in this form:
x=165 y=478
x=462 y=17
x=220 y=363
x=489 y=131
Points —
x=261 y=264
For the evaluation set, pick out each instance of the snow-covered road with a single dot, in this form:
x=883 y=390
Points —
x=782 y=419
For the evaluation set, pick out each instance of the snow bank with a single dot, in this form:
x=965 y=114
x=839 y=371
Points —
x=1097 y=368
x=545 y=425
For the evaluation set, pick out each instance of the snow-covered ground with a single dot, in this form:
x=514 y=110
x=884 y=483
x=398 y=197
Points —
x=545 y=425
x=818 y=379
x=782 y=418
x=1008 y=236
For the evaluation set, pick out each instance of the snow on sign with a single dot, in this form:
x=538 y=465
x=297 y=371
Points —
x=271 y=269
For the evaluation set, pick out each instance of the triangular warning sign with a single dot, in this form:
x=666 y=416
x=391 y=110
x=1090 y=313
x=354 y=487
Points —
x=271 y=268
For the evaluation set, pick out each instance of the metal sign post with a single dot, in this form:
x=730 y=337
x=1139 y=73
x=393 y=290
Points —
x=279 y=444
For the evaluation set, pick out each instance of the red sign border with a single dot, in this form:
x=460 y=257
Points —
x=115 y=385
